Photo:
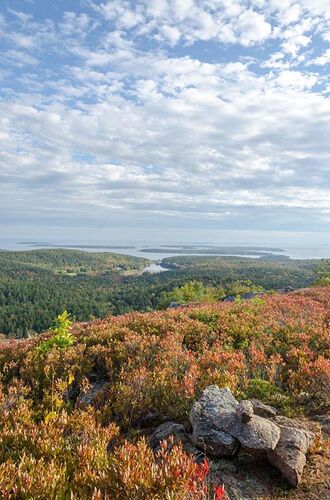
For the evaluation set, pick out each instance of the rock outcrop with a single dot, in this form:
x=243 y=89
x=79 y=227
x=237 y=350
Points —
x=222 y=426
x=289 y=456
x=258 y=434
x=207 y=418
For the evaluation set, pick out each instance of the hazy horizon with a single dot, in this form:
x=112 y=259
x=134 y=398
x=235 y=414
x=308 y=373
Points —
x=292 y=247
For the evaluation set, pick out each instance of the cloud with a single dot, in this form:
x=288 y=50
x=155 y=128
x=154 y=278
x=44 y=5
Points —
x=173 y=109
x=252 y=27
x=172 y=20
x=74 y=23
x=19 y=58
x=323 y=59
x=296 y=80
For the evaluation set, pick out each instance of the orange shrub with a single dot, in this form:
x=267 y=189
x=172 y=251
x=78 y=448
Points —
x=277 y=349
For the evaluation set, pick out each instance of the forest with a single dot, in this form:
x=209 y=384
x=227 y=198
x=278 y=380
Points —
x=37 y=285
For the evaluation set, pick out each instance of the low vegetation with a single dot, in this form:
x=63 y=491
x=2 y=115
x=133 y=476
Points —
x=55 y=446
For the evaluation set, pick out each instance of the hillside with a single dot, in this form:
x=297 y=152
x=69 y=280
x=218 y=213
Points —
x=36 y=286
x=67 y=409
x=267 y=273
x=67 y=262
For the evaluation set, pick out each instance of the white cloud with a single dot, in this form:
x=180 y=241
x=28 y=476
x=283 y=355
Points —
x=75 y=23
x=198 y=135
x=171 y=34
x=22 y=16
x=157 y=8
x=323 y=59
x=190 y=20
x=23 y=41
x=118 y=120
x=252 y=27
x=296 y=80
x=293 y=44
x=19 y=58
x=276 y=60
x=292 y=14
x=182 y=8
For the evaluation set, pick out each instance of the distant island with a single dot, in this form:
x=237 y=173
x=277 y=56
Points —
x=236 y=248
x=53 y=245
x=265 y=252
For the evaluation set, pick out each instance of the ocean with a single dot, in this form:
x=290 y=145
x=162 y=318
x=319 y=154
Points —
x=142 y=249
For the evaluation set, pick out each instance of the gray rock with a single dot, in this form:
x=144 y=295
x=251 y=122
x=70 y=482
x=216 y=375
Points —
x=215 y=400
x=206 y=416
x=220 y=422
x=179 y=434
x=164 y=431
x=259 y=434
x=221 y=425
x=244 y=411
x=299 y=425
x=91 y=395
x=263 y=410
x=150 y=419
x=289 y=456
x=214 y=442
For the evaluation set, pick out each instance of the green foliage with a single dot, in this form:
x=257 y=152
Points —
x=192 y=291
x=322 y=272
x=271 y=394
x=240 y=287
x=62 y=337
x=208 y=318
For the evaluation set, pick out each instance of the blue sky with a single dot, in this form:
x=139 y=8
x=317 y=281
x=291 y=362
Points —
x=131 y=118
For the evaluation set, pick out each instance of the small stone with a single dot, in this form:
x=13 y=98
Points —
x=263 y=410
x=244 y=411
x=151 y=419
x=91 y=396
x=164 y=431
x=179 y=434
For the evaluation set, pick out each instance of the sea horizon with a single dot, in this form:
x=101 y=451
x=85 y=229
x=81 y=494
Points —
x=142 y=248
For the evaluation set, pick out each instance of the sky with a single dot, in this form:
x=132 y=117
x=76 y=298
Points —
x=178 y=119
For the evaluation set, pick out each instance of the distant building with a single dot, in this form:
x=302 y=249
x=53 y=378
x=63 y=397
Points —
x=229 y=298
x=286 y=289
x=174 y=305
x=248 y=295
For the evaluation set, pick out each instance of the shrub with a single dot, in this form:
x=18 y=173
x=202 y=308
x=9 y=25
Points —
x=156 y=362
x=62 y=337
